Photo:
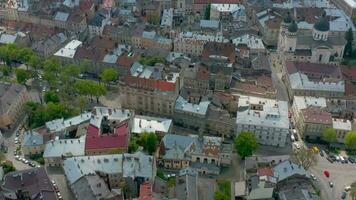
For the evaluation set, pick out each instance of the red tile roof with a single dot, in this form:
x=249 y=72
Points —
x=127 y=61
x=85 y=5
x=150 y=84
x=116 y=140
x=219 y=49
x=145 y=191
x=265 y=171
x=316 y=115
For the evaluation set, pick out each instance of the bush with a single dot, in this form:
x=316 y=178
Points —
x=8 y=167
x=38 y=158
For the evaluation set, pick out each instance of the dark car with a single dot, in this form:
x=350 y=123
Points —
x=296 y=137
x=322 y=153
x=343 y=195
x=351 y=160
x=329 y=159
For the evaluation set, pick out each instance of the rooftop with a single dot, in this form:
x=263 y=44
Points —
x=129 y=165
x=59 y=125
x=64 y=147
x=183 y=105
x=61 y=16
x=287 y=169
x=68 y=51
x=262 y=111
x=316 y=115
x=342 y=124
x=150 y=124
x=167 y=18
x=9 y=93
x=302 y=102
x=32 y=138
x=253 y=42
x=35 y=181
x=6 y=38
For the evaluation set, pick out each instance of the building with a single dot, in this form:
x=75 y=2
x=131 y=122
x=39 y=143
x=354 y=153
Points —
x=302 y=102
x=96 y=24
x=32 y=143
x=313 y=79
x=316 y=46
x=266 y=118
x=342 y=127
x=69 y=50
x=32 y=183
x=56 y=150
x=146 y=192
x=190 y=115
x=186 y=187
x=230 y=12
x=205 y=154
x=114 y=168
x=160 y=126
x=253 y=43
x=268 y=23
x=150 y=39
x=313 y=122
x=349 y=7
x=108 y=131
x=12 y=99
x=196 y=81
x=220 y=123
x=150 y=89
x=193 y=43
x=50 y=45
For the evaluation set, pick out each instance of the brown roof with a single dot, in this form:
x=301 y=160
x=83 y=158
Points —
x=35 y=181
x=203 y=73
x=217 y=1
x=274 y=23
x=348 y=72
x=316 y=115
x=127 y=61
x=219 y=49
x=314 y=70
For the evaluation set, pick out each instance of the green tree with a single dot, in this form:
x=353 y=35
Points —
x=98 y=90
x=353 y=191
x=84 y=65
x=224 y=190
x=8 y=167
x=109 y=75
x=133 y=146
x=220 y=196
x=71 y=71
x=329 y=135
x=350 y=140
x=82 y=103
x=21 y=75
x=153 y=18
x=305 y=157
x=349 y=37
x=149 y=142
x=245 y=144
x=35 y=62
x=51 y=96
x=151 y=60
x=52 y=65
x=207 y=12
x=24 y=54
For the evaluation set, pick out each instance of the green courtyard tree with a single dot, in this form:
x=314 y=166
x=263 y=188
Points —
x=349 y=37
x=21 y=75
x=329 y=135
x=245 y=144
x=51 y=96
x=149 y=142
x=109 y=75
x=35 y=62
x=350 y=140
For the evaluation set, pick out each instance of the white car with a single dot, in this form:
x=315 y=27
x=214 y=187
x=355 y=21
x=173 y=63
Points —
x=297 y=146
x=16 y=141
x=347 y=188
x=337 y=158
x=16 y=138
x=17 y=157
x=313 y=177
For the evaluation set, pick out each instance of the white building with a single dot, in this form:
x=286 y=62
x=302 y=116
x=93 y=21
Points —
x=68 y=51
x=342 y=127
x=302 y=102
x=253 y=42
x=227 y=11
x=266 y=118
x=167 y=18
x=151 y=124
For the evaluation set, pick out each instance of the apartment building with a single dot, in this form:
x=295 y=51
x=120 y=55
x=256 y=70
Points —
x=150 y=89
x=266 y=118
x=193 y=43
x=12 y=99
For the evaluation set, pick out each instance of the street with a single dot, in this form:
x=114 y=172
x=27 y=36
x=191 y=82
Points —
x=276 y=69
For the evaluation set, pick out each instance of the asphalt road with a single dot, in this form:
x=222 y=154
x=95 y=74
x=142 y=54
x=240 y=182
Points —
x=276 y=69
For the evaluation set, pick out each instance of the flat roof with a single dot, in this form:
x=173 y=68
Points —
x=150 y=124
x=69 y=49
x=274 y=113
x=65 y=147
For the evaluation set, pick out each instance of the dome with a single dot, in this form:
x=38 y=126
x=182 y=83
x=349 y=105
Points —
x=322 y=24
x=293 y=27
x=288 y=19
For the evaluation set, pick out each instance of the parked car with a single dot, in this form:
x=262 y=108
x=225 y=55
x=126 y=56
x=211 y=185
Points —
x=296 y=145
x=351 y=160
x=337 y=158
x=343 y=195
x=333 y=158
x=322 y=153
x=17 y=157
x=347 y=188
x=329 y=159
x=313 y=177
x=342 y=160
x=331 y=184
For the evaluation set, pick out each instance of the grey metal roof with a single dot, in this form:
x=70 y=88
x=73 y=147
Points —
x=61 y=16
x=287 y=169
x=185 y=106
x=7 y=38
x=170 y=140
x=32 y=138
x=66 y=147
x=214 y=24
